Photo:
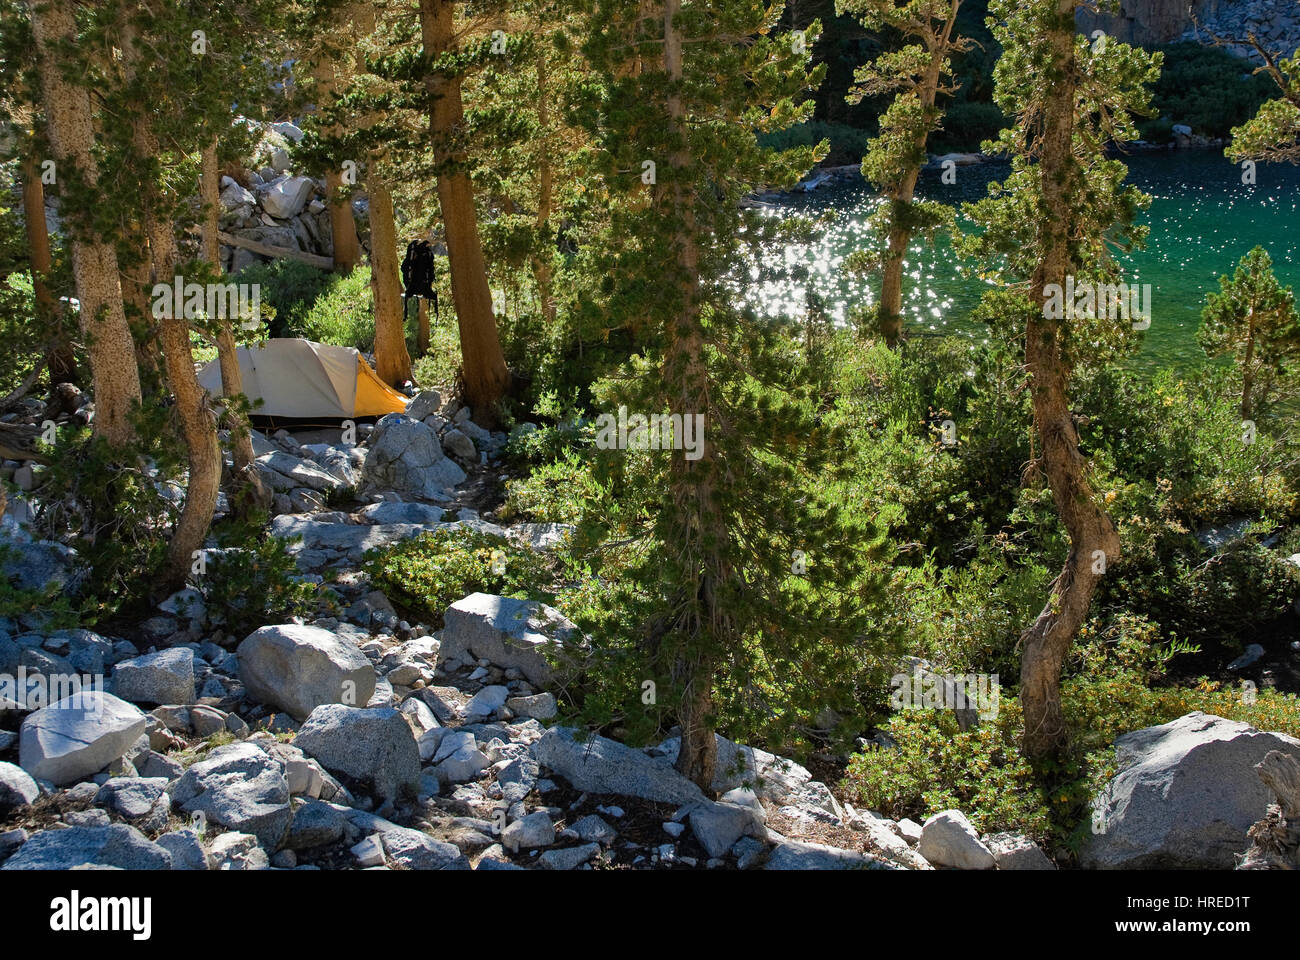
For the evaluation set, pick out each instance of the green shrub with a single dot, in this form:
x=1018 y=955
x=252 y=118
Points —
x=343 y=314
x=113 y=506
x=1107 y=692
x=291 y=288
x=253 y=581
x=431 y=572
x=1208 y=89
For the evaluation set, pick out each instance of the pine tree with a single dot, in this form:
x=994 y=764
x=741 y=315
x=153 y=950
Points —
x=894 y=158
x=483 y=366
x=109 y=343
x=677 y=93
x=1253 y=317
x=1056 y=216
x=1273 y=134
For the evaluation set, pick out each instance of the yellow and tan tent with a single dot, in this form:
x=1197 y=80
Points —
x=302 y=382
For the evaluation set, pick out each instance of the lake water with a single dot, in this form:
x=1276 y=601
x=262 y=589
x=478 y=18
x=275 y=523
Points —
x=1202 y=219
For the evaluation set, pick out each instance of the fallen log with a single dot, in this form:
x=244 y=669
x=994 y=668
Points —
x=266 y=250
x=19 y=443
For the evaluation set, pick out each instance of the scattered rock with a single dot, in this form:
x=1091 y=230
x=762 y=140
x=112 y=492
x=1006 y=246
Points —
x=1011 y=851
x=17 y=788
x=528 y=833
x=1184 y=797
x=241 y=788
x=166 y=677
x=298 y=668
x=601 y=765
x=509 y=633
x=949 y=840
x=405 y=457
x=78 y=736
x=374 y=745
x=118 y=846
x=798 y=855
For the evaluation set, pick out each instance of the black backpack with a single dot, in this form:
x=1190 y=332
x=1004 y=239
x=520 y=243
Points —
x=418 y=273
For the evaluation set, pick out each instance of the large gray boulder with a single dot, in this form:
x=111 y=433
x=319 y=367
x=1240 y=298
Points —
x=78 y=736
x=373 y=744
x=40 y=565
x=401 y=511
x=165 y=677
x=302 y=473
x=352 y=540
x=600 y=765
x=776 y=779
x=297 y=668
x=1184 y=797
x=287 y=198
x=523 y=634
x=117 y=846
x=417 y=851
x=405 y=457
x=238 y=787
x=949 y=840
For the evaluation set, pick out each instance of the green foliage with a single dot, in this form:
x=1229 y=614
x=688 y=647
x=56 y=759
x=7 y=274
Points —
x=253 y=580
x=289 y=286
x=1253 y=317
x=343 y=314
x=1208 y=89
x=114 y=504
x=980 y=771
x=431 y=572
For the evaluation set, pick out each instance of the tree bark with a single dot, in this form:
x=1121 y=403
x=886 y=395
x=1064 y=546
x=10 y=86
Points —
x=1047 y=641
x=392 y=362
x=108 y=339
x=422 y=337
x=1248 y=372
x=483 y=365
x=343 y=226
x=198 y=426
x=61 y=360
x=699 y=527
x=232 y=379
x=542 y=272
x=889 y=315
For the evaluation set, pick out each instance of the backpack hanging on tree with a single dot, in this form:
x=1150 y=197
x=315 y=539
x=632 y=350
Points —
x=418 y=275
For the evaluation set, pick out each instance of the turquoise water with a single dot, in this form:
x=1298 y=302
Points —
x=1202 y=220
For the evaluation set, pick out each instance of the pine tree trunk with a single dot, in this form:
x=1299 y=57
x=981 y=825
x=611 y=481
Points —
x=232 y=379
x=1248 y=372
x=392 y=362
x=60 y=359
x=483 y=365
x=699 y=527
x=94 y=261
x=343 y=226
x=198 y=426
x=422 y=337
x=1093 y=539
x=889 y=315
x=545 y=194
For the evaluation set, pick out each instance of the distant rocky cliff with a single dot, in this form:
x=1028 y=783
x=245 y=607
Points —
x=1276 y=23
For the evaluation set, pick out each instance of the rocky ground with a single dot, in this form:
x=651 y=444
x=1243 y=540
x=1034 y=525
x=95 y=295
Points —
x=359 y=740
